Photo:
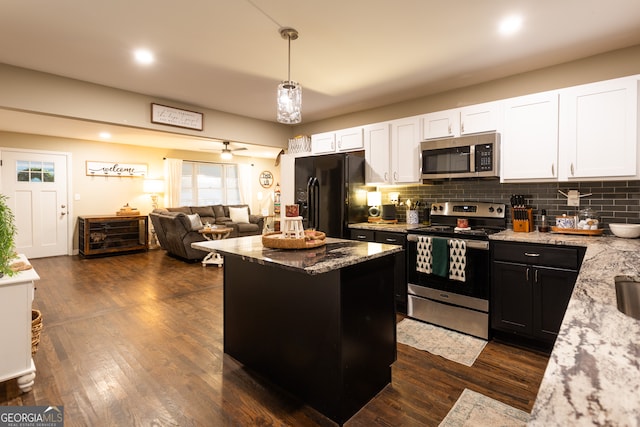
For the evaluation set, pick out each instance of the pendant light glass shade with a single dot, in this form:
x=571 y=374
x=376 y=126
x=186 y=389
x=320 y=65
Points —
x=289 y=102
x=289 y=97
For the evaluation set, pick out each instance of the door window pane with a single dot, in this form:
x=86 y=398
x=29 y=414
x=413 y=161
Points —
x=34 y=171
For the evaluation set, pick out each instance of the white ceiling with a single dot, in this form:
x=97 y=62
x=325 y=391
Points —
x=351 y=55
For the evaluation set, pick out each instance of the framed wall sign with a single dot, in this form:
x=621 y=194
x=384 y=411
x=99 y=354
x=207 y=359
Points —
x=176 y=117
x=266 y=179
x=116 y=169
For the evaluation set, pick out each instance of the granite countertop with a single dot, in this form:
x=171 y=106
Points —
x=400 y=227
x=336 y=254
x=593 y=375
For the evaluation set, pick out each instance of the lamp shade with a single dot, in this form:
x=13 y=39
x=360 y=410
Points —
x=289 y=102
x=374 y=198
x=153 y=186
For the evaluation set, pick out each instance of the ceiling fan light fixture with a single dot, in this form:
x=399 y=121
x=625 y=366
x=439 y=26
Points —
x=289 y=96
x=226 y=155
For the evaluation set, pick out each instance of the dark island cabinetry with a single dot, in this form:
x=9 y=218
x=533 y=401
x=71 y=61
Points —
x=400 y=267
x=530 y=288
x=109 y=235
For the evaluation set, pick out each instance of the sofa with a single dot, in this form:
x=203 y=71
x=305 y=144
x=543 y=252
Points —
x=176 y=228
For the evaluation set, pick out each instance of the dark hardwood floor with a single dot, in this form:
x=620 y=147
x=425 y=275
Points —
x=136 y=340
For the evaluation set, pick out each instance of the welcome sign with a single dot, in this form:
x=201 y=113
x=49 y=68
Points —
x=116 y=169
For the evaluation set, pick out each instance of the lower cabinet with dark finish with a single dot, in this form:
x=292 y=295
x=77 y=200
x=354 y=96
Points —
x=400 y=268
x=531 y=286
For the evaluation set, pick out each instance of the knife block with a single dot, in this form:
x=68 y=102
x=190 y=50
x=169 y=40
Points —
x=522 y=219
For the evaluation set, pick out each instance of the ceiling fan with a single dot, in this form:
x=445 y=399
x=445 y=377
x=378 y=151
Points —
x=227 y=153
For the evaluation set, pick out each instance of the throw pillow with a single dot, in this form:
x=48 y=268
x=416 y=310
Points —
x=196 y=223
x=239 y=214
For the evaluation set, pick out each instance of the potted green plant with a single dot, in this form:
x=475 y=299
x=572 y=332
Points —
x=7 y=237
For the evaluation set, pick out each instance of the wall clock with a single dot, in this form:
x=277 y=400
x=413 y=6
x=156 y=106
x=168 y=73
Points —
x=266 y=179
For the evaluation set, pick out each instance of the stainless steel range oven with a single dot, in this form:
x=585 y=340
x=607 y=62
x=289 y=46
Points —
x=458 y=302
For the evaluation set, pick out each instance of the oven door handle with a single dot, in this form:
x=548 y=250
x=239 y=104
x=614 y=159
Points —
x=471 y=244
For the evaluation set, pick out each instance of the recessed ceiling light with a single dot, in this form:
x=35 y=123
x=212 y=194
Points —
x=510 y=25
x=143 y=56
x=105 y=135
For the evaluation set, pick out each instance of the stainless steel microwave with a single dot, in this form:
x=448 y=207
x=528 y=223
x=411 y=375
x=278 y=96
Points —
x=470 y=156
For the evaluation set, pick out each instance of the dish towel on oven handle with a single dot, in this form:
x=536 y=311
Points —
x=440 y=257
x=457 y=260
x=423 y=255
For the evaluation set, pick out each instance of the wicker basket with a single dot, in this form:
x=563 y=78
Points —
x=36 y=328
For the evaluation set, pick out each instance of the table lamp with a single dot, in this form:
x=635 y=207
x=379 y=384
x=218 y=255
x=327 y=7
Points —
x=374 y=200
x=153 y=187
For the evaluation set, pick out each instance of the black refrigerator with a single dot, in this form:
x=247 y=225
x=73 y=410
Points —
x=330 y=191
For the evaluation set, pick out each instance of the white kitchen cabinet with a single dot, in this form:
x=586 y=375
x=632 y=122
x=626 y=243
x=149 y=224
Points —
x=405 y=151
x=16 y=297
x=478 y=118
x=337 y=141
x=599 y=130
x=350 y=139
x=441 y=124
x=377 y=150
x=392 y=152
x=530 y=137
x=323 y=143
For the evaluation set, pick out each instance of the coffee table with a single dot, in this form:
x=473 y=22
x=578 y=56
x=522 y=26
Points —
x=217 y=233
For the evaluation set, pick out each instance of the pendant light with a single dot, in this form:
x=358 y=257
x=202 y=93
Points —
x=289 y=92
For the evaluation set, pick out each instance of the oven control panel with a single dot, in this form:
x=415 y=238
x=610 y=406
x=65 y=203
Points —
x=465 y=209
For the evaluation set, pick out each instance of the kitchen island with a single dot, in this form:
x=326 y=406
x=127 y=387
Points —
x=318 y=322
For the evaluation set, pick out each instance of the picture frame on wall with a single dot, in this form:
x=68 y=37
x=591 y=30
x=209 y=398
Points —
x=177 y=117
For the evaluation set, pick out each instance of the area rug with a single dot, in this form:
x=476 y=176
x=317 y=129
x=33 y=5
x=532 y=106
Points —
x=460 y=348
x=473 y=409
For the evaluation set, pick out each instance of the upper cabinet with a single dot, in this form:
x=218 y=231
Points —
x=323 y=143
x=579 y=133
x=343 y=140
x=392 y=152
x=530 y=137
x=377 y=151
x=599 y=130
x=461 y=121
x=405 y=151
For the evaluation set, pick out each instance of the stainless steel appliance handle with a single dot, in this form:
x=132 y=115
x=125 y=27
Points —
x=471 y=244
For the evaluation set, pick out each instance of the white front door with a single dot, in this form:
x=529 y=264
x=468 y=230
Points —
x=36 y=184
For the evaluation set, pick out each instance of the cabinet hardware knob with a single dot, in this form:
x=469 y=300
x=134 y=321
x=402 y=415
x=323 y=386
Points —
x=553 y=170
x=532 y=254
x=527 y=275
x=572 y=173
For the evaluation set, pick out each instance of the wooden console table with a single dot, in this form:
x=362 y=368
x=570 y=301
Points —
x=112 y=234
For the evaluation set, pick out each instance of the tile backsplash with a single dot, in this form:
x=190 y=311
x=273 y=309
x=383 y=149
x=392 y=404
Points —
x=617 y=201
